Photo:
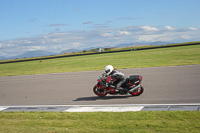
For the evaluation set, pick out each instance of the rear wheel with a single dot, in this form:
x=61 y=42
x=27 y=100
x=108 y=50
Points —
x=99 y=92
x=138 y=91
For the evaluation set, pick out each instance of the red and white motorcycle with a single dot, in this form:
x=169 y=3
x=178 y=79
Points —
x=132 y=86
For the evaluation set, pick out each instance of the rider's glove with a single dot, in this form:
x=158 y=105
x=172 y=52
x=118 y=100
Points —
x=111 y=82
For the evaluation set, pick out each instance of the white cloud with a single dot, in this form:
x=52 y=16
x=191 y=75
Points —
x=192 y=28
x=149 y=28
x=169 y=28
x=76 y=44
x=124 y=32
x=59 y=41
x=186 y=36
x=33 y=48
x=152 y=38
x=106 y=34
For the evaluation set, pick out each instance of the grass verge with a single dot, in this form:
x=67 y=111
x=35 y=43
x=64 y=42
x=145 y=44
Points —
x=137 y=122
x=185 y=55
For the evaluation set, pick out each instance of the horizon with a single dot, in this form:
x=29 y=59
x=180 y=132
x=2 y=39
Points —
x=42 y=53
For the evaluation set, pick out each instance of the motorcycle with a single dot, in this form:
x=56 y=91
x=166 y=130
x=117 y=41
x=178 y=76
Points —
x=104 y=86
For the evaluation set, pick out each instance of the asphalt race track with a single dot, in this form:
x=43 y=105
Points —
x=163 y=85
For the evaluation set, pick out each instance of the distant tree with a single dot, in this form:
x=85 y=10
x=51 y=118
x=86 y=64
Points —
x=107 y=49
x=84 y=51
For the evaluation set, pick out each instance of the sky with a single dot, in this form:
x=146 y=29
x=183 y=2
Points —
x=58 y=25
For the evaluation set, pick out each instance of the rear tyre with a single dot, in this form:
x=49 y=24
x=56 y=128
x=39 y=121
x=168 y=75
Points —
x=137 y=92
x=99 y=92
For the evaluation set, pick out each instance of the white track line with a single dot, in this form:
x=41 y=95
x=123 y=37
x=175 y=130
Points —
x=3 y=108
x=100 y=108
x=104 y=109
x=106 y=105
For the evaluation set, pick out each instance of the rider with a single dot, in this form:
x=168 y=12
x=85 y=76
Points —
x=115 y=74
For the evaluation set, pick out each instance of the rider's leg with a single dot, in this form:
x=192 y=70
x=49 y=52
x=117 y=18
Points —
x=118 y=86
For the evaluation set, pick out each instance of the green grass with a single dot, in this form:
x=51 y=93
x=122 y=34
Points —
x=185 y=55
x=100 y=122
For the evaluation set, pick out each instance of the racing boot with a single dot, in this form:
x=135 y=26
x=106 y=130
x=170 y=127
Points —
x=118 y=89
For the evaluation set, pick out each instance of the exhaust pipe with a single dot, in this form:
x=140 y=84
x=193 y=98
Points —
x=134 y=88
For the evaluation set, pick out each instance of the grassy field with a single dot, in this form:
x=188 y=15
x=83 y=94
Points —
x=100 y=122
x=137 y=122
x=184 y=55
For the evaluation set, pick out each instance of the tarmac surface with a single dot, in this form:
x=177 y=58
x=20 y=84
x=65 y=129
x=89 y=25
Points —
x=162 y=85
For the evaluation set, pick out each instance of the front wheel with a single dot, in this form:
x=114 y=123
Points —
x=138 y=91
x=99 y=92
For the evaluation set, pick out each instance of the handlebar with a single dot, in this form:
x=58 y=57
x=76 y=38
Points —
x=102 y=76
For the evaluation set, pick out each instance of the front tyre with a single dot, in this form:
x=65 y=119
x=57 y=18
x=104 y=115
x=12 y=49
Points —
x=99 y=92
x=138 y=91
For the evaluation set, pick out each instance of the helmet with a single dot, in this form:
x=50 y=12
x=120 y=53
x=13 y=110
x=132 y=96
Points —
x=109 y=69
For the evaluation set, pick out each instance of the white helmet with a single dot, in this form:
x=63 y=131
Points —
x=109 y=69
